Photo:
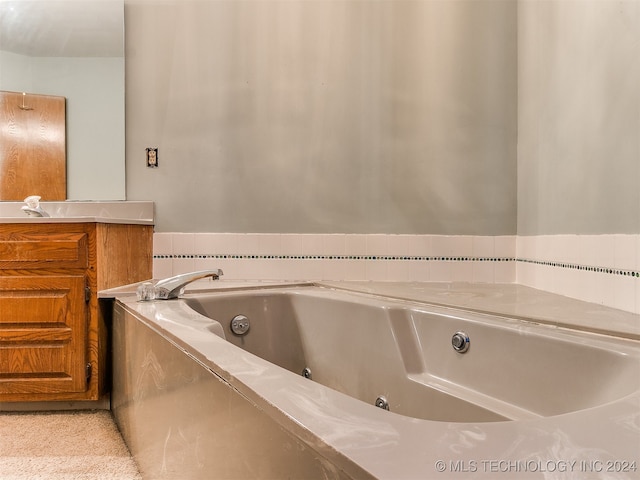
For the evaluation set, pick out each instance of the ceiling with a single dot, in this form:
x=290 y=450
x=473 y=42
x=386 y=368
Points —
x=62 y=28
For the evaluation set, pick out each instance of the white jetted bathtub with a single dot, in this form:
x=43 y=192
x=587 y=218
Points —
x=312 y=382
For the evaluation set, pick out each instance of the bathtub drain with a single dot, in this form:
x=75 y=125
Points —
x=306 y=373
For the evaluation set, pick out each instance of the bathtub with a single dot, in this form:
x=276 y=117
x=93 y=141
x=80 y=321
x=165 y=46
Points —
x=305 y=381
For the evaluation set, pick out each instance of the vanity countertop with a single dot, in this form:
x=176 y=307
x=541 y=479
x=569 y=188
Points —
x=122 y=212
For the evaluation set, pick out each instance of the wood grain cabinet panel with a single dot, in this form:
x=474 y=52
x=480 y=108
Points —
x=43 y=333
x=42 y=251
x=53 y=335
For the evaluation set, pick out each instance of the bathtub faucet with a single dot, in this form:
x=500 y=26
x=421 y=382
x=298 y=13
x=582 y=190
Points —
x=172 y=287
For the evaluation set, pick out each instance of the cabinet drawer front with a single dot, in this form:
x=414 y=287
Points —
x=34 y=307
x=44 y=251
x=33 y=362
x=43 y=330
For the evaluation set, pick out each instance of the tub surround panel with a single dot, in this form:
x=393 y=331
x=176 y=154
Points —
x=603 y=269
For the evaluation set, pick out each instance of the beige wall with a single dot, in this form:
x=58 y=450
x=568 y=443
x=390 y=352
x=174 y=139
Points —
x=386 y=117
x=324 y=116
x=578 y=117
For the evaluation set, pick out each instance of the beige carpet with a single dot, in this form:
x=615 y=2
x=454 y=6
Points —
x=83 y=445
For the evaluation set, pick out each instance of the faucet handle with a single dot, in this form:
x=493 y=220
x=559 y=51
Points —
x=33 y=201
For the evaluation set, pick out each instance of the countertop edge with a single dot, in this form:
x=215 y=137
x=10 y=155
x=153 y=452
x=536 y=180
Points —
x=80 y=219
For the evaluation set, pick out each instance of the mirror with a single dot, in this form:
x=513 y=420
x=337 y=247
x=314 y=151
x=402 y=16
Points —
x=73 y=49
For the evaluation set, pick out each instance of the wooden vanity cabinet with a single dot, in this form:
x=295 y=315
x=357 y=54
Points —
x=53 y=336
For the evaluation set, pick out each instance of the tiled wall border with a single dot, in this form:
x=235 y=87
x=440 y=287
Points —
x=585 y=268
x=603 y=269
x=340 y=256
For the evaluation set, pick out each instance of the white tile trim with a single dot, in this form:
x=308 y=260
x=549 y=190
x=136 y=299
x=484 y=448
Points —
x=602 y=269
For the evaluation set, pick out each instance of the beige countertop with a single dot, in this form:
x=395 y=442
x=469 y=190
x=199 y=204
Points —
x=123 y=212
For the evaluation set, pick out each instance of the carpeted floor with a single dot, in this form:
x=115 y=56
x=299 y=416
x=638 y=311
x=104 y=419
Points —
x=84 y=445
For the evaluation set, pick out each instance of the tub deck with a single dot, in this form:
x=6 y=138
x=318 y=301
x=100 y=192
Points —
x=334 y=435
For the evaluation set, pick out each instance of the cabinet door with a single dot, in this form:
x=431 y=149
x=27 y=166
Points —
x=43 y=333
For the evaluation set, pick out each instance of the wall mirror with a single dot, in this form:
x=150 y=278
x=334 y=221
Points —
x=73 y=49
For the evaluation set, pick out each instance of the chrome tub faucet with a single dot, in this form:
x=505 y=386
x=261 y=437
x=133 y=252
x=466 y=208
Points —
x=172 y=287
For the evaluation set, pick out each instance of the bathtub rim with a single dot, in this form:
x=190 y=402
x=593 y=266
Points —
x=619 y=347
x=413 y=443
x=525 y=303
x=522 y=302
